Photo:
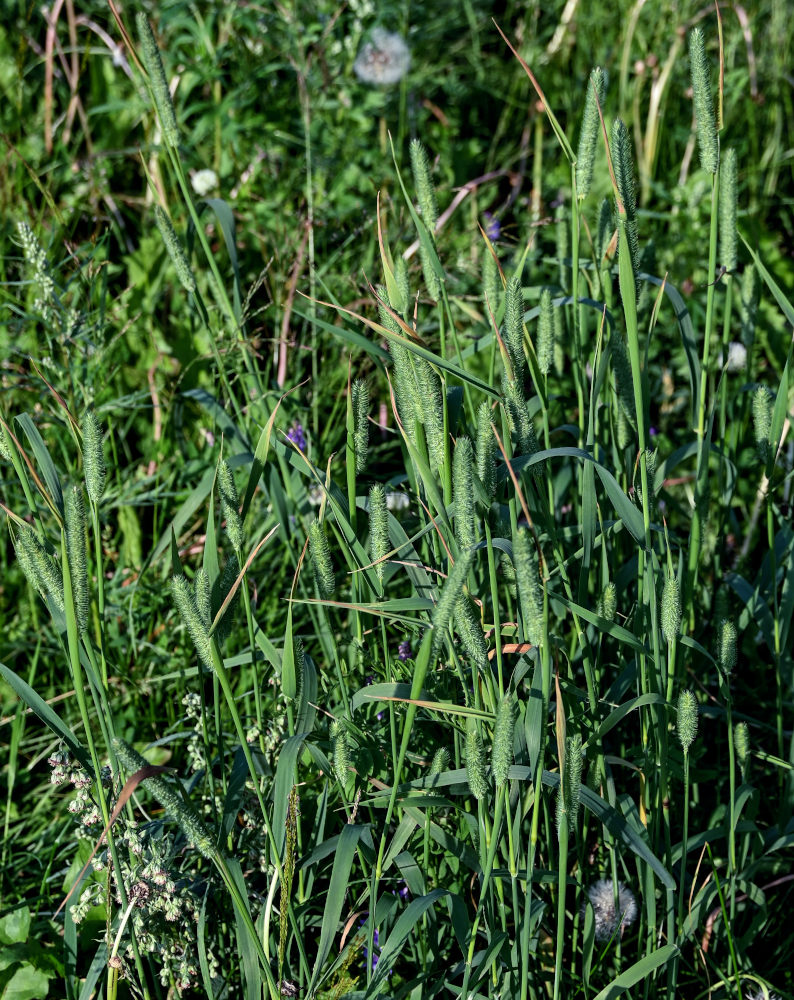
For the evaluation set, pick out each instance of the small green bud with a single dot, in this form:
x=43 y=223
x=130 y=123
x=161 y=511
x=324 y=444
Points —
x=360 y=403
x=378 y=527
x=502 y=752
x=75 y=525
x=687 y=719
x=93 y=460
x=153 y=62
x=191 y=618
x=475 y=762
x=588 y=137
x=175 y=250
x=321 y=559
x=708 y=140
x=230 y=505
x=671 y=608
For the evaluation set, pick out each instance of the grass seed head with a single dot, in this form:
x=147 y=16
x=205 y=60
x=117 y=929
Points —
x=687 y=719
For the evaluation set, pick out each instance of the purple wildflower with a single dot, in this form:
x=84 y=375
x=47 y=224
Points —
x=493 y=228
x=296 y=435
x=404 y=650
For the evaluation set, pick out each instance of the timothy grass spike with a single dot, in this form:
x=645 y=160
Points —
x=588 y=137
x=75 y=525
x=174 y=804
x=476 y=770
x=513 y=330
x=94 y=471
x=185 y=602
x=153 y=62
x=463 y=493
x=321 y=559
x=378 y=527
x=545 y=335
x=502 y=751
x=42 y=571
x=486 y=450
x=360 y=391
x=708 y=139
x=530 y=589
x=175 y=250
x=729 y=193
x=230 y=505
x=671 y=608
x=687 y=719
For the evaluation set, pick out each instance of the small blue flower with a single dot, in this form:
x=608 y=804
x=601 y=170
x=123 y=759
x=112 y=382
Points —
x=404 y=650
x=493 y=228
x=296 y=435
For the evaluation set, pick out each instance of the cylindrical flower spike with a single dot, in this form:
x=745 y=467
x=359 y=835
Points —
x=191 y=617
x=729 y=194
x=153 y=62
x=378 y=527
x=671 y=608
x=175 y=250
x=502 y=752
x=708 y=140
x=486 y=450
x=588 y=137
x=687 y=719
x=360 y=404
x=75 y=547
x=174 y=804
x=321 y=558
x=463 y=493
x=475 y=762
x=93 y=460
x=230 y=505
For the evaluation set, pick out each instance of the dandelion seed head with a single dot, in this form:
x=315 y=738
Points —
x=204 y=181
x=385 y=58
x=602 y=899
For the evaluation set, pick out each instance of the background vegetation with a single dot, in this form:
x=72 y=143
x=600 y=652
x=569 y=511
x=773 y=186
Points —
x=427 y=517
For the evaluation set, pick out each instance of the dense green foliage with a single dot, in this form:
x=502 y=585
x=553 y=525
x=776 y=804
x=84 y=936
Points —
x=398 y=572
